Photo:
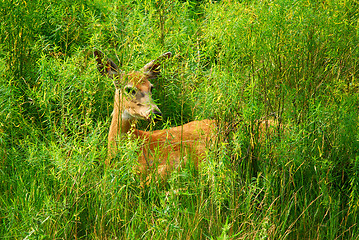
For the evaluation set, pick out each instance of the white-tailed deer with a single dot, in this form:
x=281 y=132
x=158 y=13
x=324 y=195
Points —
x=162 y=150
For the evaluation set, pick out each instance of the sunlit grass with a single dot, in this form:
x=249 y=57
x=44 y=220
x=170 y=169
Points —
x=295 y=62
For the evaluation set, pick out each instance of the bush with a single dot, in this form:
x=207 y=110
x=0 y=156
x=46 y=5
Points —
x=292 y=62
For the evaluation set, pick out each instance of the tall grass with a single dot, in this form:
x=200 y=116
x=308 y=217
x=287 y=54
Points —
x=236 y=62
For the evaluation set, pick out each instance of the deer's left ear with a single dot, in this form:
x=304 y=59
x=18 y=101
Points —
x=106 y=66
x=152 y=69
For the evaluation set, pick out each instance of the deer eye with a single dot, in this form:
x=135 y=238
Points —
x=131 y=90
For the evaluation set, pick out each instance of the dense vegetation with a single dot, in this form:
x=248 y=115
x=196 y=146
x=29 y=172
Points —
x=236 y=62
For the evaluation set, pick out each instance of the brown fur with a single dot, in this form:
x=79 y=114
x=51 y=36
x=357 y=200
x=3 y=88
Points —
x=168 y=149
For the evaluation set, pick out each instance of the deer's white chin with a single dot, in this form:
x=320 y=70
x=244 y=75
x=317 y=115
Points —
x=127 y=116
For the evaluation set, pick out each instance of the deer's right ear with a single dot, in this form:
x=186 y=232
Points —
x=152 y=69
x=106 y=66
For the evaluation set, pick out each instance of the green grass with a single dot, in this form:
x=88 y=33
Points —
x=236 y=62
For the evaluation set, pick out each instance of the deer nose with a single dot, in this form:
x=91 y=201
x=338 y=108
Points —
x=156 y=115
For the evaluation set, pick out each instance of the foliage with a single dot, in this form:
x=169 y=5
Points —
x=237 y=62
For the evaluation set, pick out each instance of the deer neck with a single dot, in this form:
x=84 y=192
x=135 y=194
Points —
x=122 y=121
x=127 y=122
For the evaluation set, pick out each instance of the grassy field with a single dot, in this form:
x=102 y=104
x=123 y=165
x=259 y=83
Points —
x=234 y=61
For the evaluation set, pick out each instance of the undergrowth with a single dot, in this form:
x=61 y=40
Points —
x=294 y=62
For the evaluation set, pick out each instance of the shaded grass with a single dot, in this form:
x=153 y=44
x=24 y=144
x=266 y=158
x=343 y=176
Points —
x=237 y=63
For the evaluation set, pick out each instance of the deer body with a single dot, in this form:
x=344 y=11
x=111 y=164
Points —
x=161 y=150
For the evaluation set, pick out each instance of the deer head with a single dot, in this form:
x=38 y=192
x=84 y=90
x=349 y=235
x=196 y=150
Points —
x=134 y=87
